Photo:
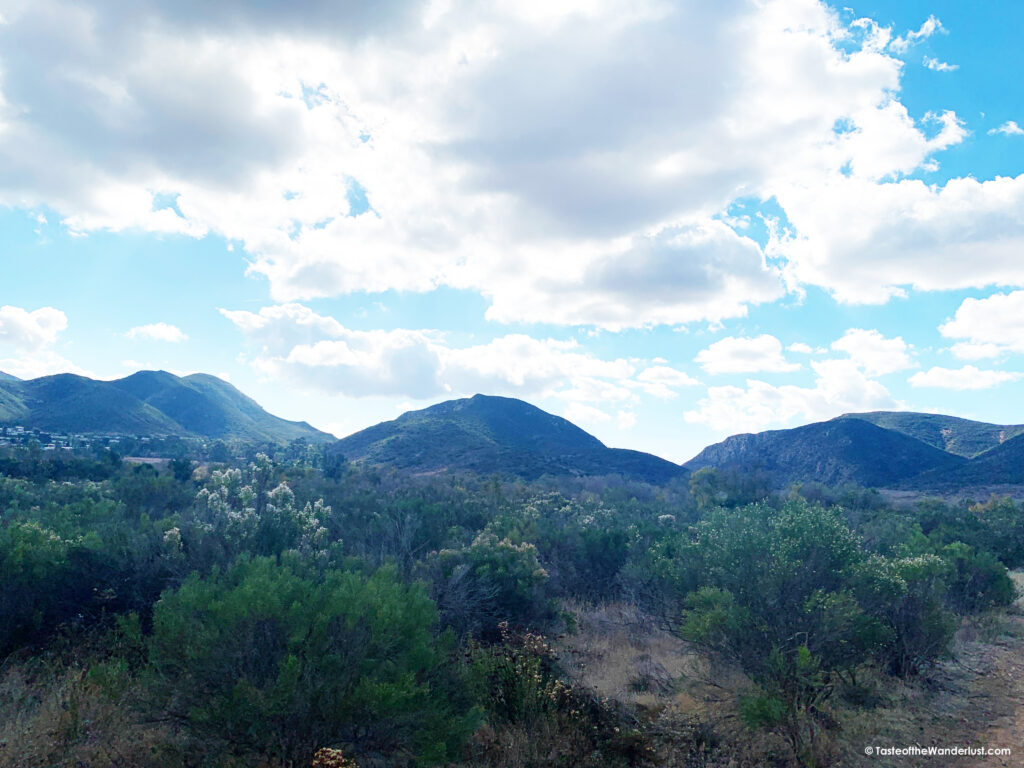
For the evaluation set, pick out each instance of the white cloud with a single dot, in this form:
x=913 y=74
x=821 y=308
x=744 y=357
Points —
x=315 y=351
x=966 y=350
x=157 y=332
x=683 y=273
x=800 y=348
x=27 y=330
x=566 y=160
x=873 y=353
x=992 y=326
x=930 y=26
x=867 y=242
x=967 y=377
x=44 y=362
x=26 y=338
x=625 y=420
x=578 y=413
x=662 y=381
x=745 y=355
x=939 y=66
x=1009 y=128
x=840 y=386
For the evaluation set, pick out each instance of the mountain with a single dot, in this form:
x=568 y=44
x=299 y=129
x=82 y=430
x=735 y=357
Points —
x=844 y=450
x=962 y=437
x=502 y=435
x=1002 y=465
x=8 y=377
x=145 y=403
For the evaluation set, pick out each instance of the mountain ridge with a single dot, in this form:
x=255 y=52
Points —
x=486 y=434
x=145 y=403
x=962 y=437
x=834 y=452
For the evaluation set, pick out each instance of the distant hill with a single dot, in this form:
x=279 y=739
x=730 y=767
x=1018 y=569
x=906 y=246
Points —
x=8 y=377
x=962 y=437
x=145 y=403
x=1002 y=465
x=844 y=450
x=502 y=435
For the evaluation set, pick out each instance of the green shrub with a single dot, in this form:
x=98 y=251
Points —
x=977 y=580
x=275 y=661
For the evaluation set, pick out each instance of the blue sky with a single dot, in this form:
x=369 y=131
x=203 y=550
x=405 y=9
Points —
x=668 y=222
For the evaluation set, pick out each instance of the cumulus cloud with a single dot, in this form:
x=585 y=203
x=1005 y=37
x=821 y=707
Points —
x=681 y=274
x=569 y=161
x=625 y=420
x=291 y=341
x=873 y=353
x=967 y=377
x=745 y=355
x=867 y=242
x=26 y=340
x=157 y=332
x=991 y=326
x=579 y=413
x=1009 y=128
x=967 y=350
x=662 y=381
x=27 y=330
x=840 y=386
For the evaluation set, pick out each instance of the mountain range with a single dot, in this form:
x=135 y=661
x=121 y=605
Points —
x=146 y=403
x=488 y=434
x=882 y=449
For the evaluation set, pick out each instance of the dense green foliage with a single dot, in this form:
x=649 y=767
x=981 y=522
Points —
x=280 y=663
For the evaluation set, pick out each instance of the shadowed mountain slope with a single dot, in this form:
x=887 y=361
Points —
x=962 y=437
x=145 y=403
x=497 y=435
x=844 y=450
x=1002 y=465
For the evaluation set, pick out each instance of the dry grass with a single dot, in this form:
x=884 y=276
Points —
x=685 y=704
x=974 y=698
x=54 y=714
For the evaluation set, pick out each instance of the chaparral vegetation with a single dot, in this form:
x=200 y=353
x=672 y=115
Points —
x=288 y=608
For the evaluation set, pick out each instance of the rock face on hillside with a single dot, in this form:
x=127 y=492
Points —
x=485 y=434
x=145 y=403
x=844 y=450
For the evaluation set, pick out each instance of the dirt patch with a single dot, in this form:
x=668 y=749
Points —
x=975 y=699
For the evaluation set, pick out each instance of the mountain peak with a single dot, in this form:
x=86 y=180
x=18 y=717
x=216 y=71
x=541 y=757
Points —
x=487 y=433
x=842 y=450
x=144 y=403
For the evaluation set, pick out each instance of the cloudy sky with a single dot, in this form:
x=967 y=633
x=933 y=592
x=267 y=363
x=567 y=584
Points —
x=668 y=221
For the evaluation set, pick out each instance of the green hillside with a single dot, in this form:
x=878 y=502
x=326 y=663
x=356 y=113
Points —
x=844 y=450
x=496 y=435
x=962 y=437
x=1002 y=465
x=145 y=403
